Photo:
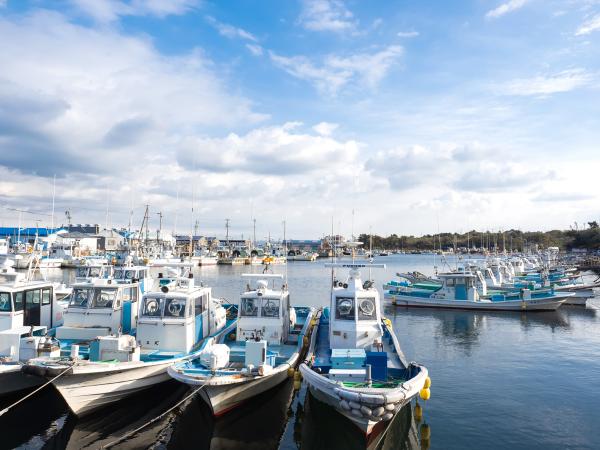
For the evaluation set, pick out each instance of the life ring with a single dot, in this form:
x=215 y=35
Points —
x=367 y=307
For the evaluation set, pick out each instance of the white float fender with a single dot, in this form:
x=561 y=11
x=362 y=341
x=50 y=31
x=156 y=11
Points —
x=366 y=411
x=390 y=407
x=354 y=405
x=372 y=399
x=345 y=405
x=379 y=411
x=356 y=412
x=348 y=395
x=394 y=397
x=388 y=416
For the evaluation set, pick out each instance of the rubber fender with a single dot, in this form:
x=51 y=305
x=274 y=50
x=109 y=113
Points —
x=395 y=397
x=379 y=411
x=390 y=407
x=366 y=411
x=388 y=416
x=372 y=399
x=356 y=412
x=34 y=370
x=350 y=396
x=345 y=405
x=354 y=405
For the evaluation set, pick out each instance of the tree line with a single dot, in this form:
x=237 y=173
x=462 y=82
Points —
x=515 y=240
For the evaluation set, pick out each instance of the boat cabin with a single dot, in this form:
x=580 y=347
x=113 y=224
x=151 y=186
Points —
x=27 y=303
x=132 y=274
x=93 y=271
x=99 y=308
x=459 y=286
x=177 y=316
x=264 y=312
x=355 y=310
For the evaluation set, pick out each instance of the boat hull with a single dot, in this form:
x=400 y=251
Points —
x=13 y=380
x=509 y=305
x=87 y=391
x=225 y=397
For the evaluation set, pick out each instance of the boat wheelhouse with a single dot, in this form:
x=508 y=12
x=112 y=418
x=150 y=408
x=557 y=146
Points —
x=269 y=337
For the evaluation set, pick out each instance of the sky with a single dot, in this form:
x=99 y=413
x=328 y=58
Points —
x=407 y=117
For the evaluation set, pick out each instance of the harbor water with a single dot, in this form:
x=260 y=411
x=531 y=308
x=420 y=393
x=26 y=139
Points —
x=499 y=380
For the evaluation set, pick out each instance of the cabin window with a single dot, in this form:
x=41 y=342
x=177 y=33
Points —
x=366 y=308
x=205 y=302
x=174 y=307
x=18 y=301
x=119 y=274
x=344 y=308
x=79 y=298
x=95 y=272
x=129 y=274
x=450 y=282
x=32 y=297
x=153 y=307
x=104 y=298
x=46 y=294
x=249 y=307
x=270 y=308
x=198 y=301
x=5 y=305
x=82 y=272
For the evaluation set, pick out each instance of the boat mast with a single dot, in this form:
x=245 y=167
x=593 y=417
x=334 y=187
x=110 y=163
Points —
x=53 y=195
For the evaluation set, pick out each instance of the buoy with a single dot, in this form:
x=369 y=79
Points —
x=427 y=384
x=297 y=376
x=297 y=384
x=425 y=432
x=291 y=372
x=418 y=413
x=425 y=394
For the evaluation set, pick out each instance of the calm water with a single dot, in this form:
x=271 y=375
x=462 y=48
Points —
x=507 y=380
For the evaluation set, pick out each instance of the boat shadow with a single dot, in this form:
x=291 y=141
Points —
x=322 y=428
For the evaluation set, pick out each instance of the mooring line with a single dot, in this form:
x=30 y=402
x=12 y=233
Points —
x=5 y=410
x=141 y=427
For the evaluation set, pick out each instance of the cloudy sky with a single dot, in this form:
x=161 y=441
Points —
x=417 y=115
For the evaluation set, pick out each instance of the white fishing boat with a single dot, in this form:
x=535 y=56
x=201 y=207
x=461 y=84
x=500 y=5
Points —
x=27 y=310
x=354 y=362
x=269 y=337
x=459 y=290
x=172 y=322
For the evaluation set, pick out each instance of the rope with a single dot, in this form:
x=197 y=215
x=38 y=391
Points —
x=141 y=427
x=5 y=410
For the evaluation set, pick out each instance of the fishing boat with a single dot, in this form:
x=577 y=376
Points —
x=460 y=290
x=172 y=323
x=27 y=310
x=354 y=362
x=269 y=338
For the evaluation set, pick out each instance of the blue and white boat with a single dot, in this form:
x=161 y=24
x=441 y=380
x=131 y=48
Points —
x=354 y=362
x=460 y=290
x=173 y=321
x=269 y=337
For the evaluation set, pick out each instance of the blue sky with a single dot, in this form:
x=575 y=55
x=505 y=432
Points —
x=416 y=115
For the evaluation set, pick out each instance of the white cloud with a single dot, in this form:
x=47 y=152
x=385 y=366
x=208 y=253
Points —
x=325 y=128
x=106 y=11
x=505 y=8
x=589 y=26
x=408 y=34
x=74 y=98
x=337 y=71
x=544 y=85
x=255 y=49
x=327 y=15
x=230 y=31
x=269 y=150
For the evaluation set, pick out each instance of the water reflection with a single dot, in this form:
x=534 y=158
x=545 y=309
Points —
x=258 y=424
x=322 y=428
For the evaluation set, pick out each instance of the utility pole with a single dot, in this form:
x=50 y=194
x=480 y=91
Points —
x=227 y=231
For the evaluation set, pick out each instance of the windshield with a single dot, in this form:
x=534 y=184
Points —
x=104 y=298
x=82 y=272
x=79 y=298
x=344 y=308
x=174 y=307
x=366 y=308
x=153 y=307
x=119 y=274
x=5 y=302
x=270 y=307
x=249 y=307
